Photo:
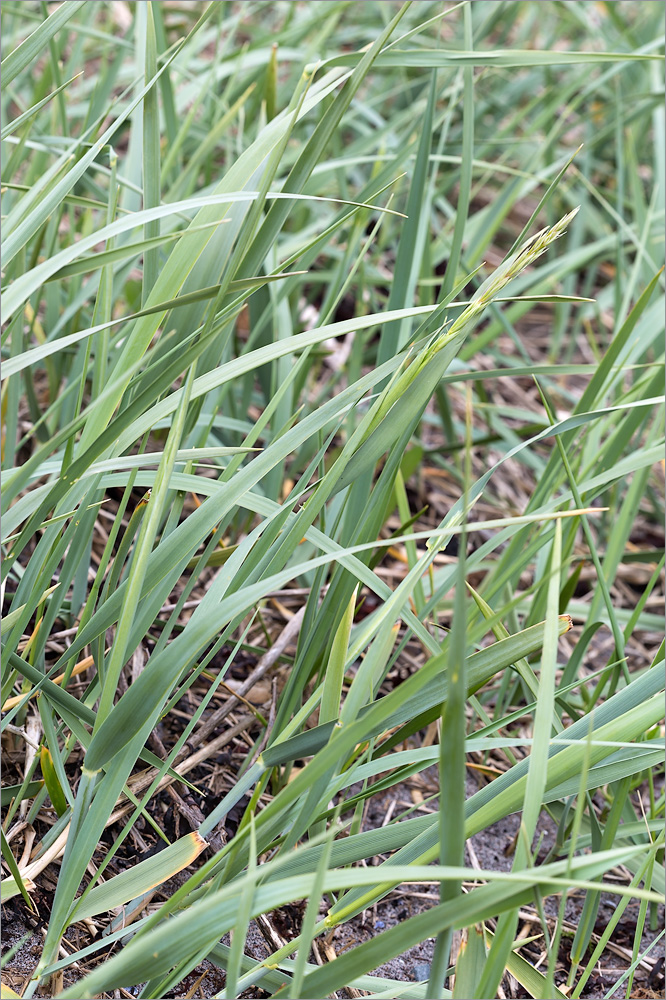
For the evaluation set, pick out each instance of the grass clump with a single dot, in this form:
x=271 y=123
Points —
x=331 y=428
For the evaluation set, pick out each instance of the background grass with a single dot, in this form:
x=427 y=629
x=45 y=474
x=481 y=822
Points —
x=277 y=264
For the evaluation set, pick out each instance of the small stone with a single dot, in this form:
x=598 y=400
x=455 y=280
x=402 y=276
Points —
x=421 y=972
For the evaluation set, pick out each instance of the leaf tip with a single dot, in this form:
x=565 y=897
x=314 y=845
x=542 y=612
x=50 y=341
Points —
x=198 y=841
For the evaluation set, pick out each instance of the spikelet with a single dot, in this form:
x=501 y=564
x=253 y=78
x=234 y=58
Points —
x=510 y=268
x=506 y=272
